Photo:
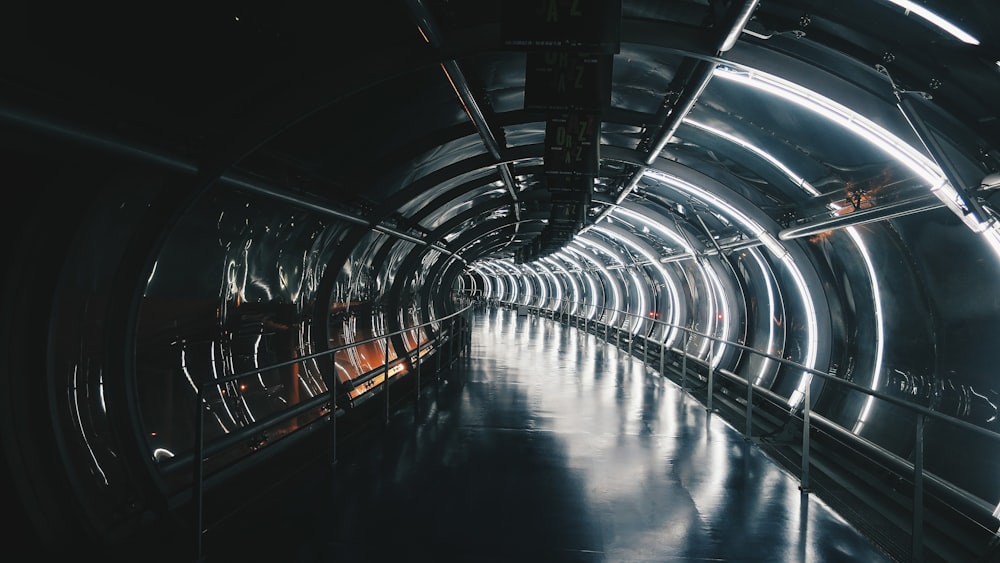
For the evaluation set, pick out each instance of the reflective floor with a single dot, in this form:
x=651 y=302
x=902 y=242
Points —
x=545 y=445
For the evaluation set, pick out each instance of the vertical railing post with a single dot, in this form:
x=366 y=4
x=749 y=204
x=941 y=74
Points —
x=806 y=409
x=333 y=409
x=663 y=352
x=684 y=361
x=385 y=376
x=749 y=432
x=451 y=343
x=199 y=471
x=711 y=371
x=438 y=351
x=416 y=405
x=645 y=344
x=917 y=549
x=628 y=331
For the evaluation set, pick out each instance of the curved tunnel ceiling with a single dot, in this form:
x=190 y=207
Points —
x=813 y=179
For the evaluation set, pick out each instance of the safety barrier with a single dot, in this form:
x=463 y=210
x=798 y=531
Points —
x=453 y=340
x=635 y=330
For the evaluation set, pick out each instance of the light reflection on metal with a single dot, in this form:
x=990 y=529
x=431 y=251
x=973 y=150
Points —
x=757 y=231
x=616 y=294
x=640 y=319
x=575 y=305
x=936 y=20
x=574 y=288
x=512 y=273
x=467 y=98
x=574 y=253
x=812 y=339
x=556 y=284
x=508 y=290
x=668 y=282
x=772 y=310
x=719 y=313
x=495 y=285
x=672 y=290
x=772 y=244
x=78 y=399
x=768 y=157
x=487 y=280
x=708 y=198
x=863 y=128
x=879 y=326
x=878 y=213
x=542 y=292
x=746 y=11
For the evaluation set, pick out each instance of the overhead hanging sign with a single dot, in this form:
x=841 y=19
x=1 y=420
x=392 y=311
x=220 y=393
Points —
x=572 y=144
x=592 y=26
x=567 y=81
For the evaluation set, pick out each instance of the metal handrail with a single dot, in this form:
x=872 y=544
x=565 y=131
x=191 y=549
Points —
x=200 y=450
x=984 y=509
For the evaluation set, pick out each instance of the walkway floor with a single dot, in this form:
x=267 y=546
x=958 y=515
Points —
x=546 y=444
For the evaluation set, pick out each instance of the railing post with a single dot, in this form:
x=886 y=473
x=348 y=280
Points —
x=684 y=361
x=645 y=353
x=438 y=351
x=711 y=372
x=917 y=549
x=451 y=344
x=199 y=471
x=333 y=410
x=385 y=381
x=749 y=432
x=416 y=405
x=663 y=354
x=805 y=436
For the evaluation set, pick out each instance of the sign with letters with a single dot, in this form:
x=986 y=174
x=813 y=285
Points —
x=592 y=26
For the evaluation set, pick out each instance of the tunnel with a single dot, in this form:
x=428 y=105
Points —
x=242 y=233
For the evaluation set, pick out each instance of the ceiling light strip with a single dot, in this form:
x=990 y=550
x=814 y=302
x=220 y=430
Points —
x=861 y=126
x=936 y=20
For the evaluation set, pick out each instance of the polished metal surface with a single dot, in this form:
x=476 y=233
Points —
x=545 y=444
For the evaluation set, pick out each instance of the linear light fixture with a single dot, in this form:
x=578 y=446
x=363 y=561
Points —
x=578 y=303
x=578 y=247
x=879 y=326
x=861 y=126
x=774 y=246
x=668 y=282
x=557 y=298
x=936 y=20
x=574 y=289
x=770 y=158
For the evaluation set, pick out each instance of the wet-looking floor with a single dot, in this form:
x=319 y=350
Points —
x=547 y=444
